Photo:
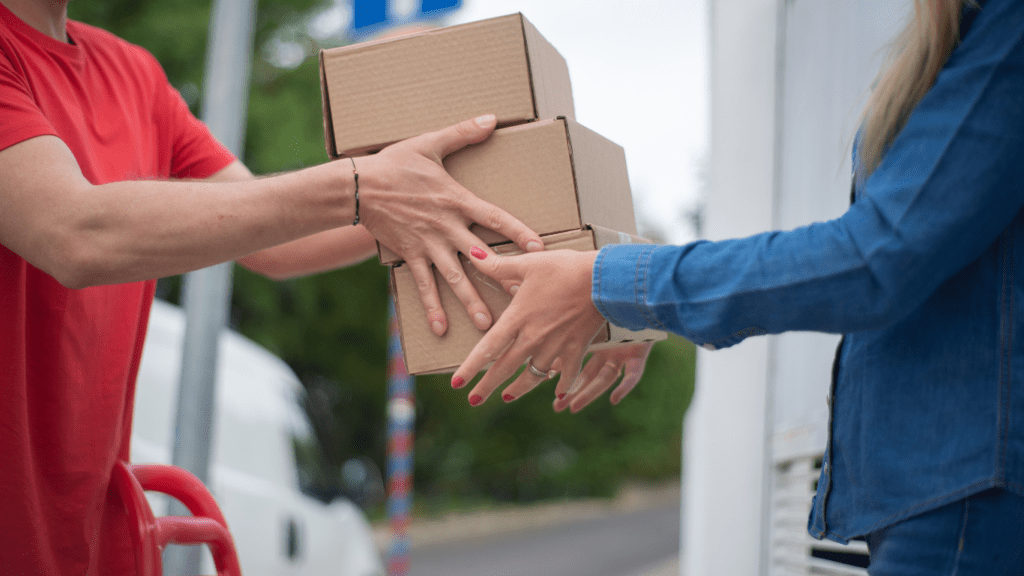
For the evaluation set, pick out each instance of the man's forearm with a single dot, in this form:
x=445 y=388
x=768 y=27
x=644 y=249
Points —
x=86 y=235
x=327 y=250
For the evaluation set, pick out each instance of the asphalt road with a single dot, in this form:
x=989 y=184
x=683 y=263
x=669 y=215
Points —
x=619 y=544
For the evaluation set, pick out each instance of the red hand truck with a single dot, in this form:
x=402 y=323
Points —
x=150 y=534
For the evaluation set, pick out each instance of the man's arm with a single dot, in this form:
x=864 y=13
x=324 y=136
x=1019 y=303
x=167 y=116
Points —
x=85 y=235
x=335 y=248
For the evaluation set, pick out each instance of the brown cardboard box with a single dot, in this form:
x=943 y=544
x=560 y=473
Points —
x=379 y=92
x=553 y=175
x=426 y=353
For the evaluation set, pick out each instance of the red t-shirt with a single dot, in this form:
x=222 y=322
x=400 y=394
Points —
x=68 y=358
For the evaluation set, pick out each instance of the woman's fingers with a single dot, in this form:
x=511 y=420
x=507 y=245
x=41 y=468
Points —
x=604 y=380
x=538 y=369
x=423 y=274
x=629 y=381
x=502 y=370
x=491 y=347
x=634 y=371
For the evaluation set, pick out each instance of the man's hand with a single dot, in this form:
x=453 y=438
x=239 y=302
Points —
x=412 y=206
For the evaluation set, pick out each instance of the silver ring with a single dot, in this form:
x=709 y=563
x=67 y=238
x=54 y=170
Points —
x=540 y=373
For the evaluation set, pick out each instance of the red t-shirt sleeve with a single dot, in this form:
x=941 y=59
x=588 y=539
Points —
x=195 y=153
x=20 y=116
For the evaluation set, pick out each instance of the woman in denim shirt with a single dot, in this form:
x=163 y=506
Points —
x=924 y=275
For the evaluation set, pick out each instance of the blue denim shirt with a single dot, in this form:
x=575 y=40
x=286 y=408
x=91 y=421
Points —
x=924 y=274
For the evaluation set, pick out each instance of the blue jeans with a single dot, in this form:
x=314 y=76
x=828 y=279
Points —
x=981 y=535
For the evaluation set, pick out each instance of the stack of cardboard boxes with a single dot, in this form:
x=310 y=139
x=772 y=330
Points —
x=564 y=181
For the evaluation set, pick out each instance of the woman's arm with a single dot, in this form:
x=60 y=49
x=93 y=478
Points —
x=951 y=182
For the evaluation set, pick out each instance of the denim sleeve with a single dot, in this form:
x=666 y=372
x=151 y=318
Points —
x=950 y=183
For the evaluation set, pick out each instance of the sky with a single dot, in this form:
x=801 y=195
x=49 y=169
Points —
x=639 y=73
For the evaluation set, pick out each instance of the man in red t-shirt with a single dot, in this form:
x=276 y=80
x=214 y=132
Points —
x=107 y=182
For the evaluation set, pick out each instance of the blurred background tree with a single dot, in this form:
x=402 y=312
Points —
x=332 y=328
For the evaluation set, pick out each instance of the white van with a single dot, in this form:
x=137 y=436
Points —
x=254 y=475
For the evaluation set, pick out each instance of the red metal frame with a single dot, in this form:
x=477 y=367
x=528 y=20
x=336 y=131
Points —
x=150 y=534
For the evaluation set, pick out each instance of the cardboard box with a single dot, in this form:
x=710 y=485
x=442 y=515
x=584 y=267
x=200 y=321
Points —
x=379 y=92
x=427 y=353
x=553 y=175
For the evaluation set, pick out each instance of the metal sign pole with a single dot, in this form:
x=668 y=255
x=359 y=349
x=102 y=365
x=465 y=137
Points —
x=207 y=292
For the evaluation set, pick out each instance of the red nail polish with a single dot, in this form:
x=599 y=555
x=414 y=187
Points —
x=508 y=397
x=475 y=400
x=561 y=396
x=458 y=382
x=477 y=253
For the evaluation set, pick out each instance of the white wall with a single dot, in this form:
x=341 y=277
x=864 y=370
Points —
x=725 y=426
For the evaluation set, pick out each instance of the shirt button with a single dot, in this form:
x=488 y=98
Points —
x=824 y=468
x=709 y=347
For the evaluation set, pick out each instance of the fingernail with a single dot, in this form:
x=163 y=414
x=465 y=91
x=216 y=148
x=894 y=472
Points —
x=508 y=397
x=458 y=382
x=561 y=396
x=485 y=120
x=534 y=246
x=475 y=400
x=438 y=326
x=477 y=253
x=513 y=289
x=481 y=320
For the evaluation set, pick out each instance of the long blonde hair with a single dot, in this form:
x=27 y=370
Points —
x=916 y=57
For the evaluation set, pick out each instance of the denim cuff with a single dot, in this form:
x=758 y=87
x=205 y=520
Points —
x=620 y=284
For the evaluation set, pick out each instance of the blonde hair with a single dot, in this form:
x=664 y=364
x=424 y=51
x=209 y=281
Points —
x=917 y=54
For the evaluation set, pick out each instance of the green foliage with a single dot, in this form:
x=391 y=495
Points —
x=332 y=328
x=524 y=451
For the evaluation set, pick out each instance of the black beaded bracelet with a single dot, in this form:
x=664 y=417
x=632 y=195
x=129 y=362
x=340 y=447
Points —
x=355 y=175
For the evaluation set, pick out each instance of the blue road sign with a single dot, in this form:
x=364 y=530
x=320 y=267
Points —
x=372 y=15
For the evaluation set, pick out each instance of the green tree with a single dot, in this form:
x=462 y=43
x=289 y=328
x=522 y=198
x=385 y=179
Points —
x=332 y=328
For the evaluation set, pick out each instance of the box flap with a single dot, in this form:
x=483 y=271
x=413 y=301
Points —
x=604 y=236
x=602 y=181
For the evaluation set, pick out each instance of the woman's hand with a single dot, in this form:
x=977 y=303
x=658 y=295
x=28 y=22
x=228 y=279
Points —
x=412 y=206
x=549 y=323
x=601 y=372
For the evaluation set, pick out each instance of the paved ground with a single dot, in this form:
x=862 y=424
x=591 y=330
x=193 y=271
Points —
x=636 y=534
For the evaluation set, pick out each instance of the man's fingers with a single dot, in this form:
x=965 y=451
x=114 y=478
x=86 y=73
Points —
x=423 y=274
x=447 y=140
x=493 y=218
x=453 y=273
